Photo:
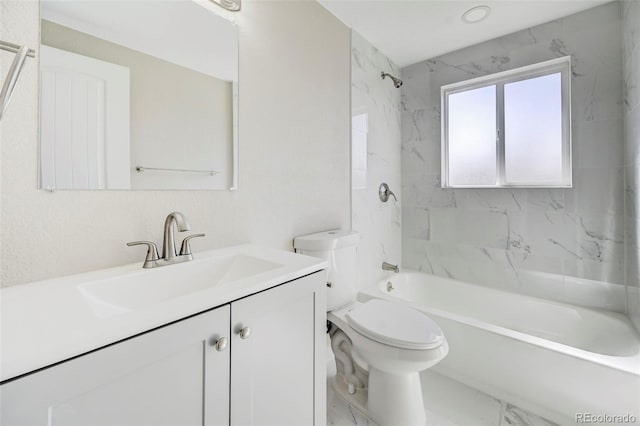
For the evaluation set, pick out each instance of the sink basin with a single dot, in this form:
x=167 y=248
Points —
x=122 y=294
x=76 y=314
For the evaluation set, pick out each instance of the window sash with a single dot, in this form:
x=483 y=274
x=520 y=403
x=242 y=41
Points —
x=559 y=65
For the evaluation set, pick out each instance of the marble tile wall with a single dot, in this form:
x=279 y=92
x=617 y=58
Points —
x=631 y=64
x=378 y=223
x=563 y=244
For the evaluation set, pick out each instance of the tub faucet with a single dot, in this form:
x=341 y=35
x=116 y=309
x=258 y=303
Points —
x=389 y=267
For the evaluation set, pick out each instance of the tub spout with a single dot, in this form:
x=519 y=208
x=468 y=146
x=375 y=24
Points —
x=389 y=267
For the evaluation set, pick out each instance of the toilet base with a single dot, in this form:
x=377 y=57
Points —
x=358 y=400
x=397 y=403
x=395 y=399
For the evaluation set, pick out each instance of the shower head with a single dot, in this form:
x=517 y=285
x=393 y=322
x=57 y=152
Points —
x=396 y=81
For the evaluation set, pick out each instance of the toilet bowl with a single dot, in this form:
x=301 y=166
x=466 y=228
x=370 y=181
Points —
x=380 y=346
x=395 y=343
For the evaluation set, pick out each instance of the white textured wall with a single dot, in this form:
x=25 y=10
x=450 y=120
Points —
x=631 y=55
x=564 y=244
x=378 y=223
x=294 y=154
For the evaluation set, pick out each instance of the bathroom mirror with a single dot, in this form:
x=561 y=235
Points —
x=138 y=95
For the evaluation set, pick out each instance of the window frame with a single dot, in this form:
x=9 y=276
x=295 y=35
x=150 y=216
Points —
x=561 y=65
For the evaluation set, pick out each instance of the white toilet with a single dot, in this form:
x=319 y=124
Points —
x=380 y=346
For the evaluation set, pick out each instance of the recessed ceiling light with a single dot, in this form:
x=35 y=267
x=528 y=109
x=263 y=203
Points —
x=476 y=14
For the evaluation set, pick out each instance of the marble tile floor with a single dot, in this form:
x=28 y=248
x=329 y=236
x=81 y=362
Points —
x=447 y=403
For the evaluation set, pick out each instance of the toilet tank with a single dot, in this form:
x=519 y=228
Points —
x=337 y=247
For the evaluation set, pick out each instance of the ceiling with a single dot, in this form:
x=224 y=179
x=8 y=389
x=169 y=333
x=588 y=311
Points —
x=409 y=31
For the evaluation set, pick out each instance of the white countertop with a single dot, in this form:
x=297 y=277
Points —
x=45 y=322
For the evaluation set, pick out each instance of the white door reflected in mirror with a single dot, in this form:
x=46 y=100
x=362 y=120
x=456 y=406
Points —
x=84 y=116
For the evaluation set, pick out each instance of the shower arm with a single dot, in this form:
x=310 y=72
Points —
x=396 y=81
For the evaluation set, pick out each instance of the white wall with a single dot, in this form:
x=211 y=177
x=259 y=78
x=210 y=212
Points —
x=294 y=154
x=378 y=223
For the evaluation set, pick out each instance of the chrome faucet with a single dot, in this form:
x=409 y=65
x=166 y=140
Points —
x=169 y=253
x=389 y=267
x=169 y=242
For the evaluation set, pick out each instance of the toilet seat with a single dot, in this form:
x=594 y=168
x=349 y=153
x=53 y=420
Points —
x=395 y=324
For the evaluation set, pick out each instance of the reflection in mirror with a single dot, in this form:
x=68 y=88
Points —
x=137 y=95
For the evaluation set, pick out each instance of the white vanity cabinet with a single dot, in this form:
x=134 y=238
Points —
x=278 y=370
x=270 y=373
x=168 y=376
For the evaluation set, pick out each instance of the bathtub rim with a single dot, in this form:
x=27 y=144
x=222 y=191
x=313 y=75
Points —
x=628 y=364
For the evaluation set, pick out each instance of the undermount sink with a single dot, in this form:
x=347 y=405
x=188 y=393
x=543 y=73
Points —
x=122 y=294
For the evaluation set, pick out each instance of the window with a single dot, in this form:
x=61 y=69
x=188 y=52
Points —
x=510 y=129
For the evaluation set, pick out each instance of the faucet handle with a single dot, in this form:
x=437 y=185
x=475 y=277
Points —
x=384 y=193
x=152 y=252
x=185 y=248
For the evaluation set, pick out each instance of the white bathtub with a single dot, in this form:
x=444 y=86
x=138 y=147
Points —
x=554 y=359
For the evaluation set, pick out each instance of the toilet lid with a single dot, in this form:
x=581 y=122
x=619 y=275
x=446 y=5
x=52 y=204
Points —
x=395 y=324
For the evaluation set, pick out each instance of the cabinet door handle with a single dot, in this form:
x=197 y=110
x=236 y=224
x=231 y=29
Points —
x=245 y=332
x=221 y=344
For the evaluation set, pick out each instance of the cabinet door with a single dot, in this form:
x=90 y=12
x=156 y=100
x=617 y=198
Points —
x=170 y=376
x=278 y=369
